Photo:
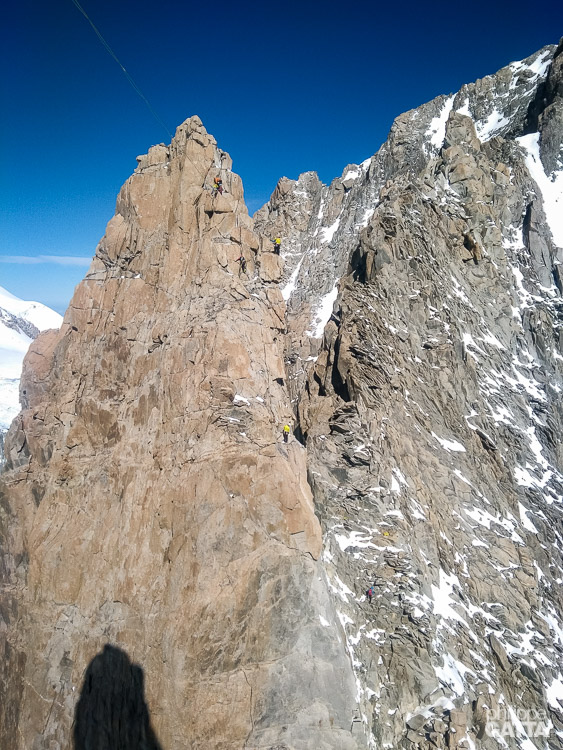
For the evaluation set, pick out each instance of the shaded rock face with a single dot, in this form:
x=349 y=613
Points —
x=155 y=525
x=150 y=501
x=430 y=406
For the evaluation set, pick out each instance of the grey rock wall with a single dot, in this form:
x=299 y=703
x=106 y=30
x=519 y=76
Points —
x=432 y=415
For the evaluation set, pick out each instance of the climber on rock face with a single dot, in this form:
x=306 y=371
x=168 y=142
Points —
x=369 y=594
x=242 y=260
x=277 y=245
x=471 y=244
x=218 y=185
x=286 y=431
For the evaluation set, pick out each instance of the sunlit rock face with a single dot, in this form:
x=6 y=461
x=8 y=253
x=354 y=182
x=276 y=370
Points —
x=151 y=502
x=159 y=534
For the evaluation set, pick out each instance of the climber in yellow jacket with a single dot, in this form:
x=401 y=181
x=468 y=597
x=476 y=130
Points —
x=217 y=186
x=277 y=245
x=286 y=431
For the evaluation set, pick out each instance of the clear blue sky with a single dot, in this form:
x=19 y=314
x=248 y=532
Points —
x=284 y=87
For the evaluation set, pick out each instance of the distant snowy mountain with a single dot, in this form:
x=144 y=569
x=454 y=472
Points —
x=20 y=323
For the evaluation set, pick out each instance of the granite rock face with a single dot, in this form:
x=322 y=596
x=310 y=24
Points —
x=150 y=500
x=154 y=523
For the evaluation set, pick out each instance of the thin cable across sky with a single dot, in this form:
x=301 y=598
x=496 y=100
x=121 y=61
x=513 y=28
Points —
x=129 y=78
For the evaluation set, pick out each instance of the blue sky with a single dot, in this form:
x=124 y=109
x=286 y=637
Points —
x=284 y=87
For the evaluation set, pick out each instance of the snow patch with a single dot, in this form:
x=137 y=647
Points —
x=464 y=110
x=323 y=313
x=352 y=174
x=367 y=216
x=9 y=402
x=437 y=129
x=327 y=233
x=289 y=288
x=495 y=122
x=443 y=602
x=356 y=539
x=554 y=694
x=538 y=67
x=526 y=523
x=340 y=588
x=449 y=445
x=551 y=189
x=452 y=673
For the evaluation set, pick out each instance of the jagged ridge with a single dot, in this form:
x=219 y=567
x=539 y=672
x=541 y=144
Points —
x=432 y=409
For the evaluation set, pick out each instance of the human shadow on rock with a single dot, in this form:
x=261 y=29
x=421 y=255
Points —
x=111 y=713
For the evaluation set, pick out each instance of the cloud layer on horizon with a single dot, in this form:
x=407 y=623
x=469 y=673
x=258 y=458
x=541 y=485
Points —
x=60 y=260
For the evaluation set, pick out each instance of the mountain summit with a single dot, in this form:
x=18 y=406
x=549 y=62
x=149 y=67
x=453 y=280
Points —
x=181 y=573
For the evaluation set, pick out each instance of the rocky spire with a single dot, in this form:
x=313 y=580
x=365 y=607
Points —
x=152 y=503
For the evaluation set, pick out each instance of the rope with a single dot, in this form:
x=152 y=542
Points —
x=131 y=81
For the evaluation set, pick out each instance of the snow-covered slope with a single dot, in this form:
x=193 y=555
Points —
x=20 y=322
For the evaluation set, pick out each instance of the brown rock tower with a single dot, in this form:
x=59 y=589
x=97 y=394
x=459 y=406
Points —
x=158 y=510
